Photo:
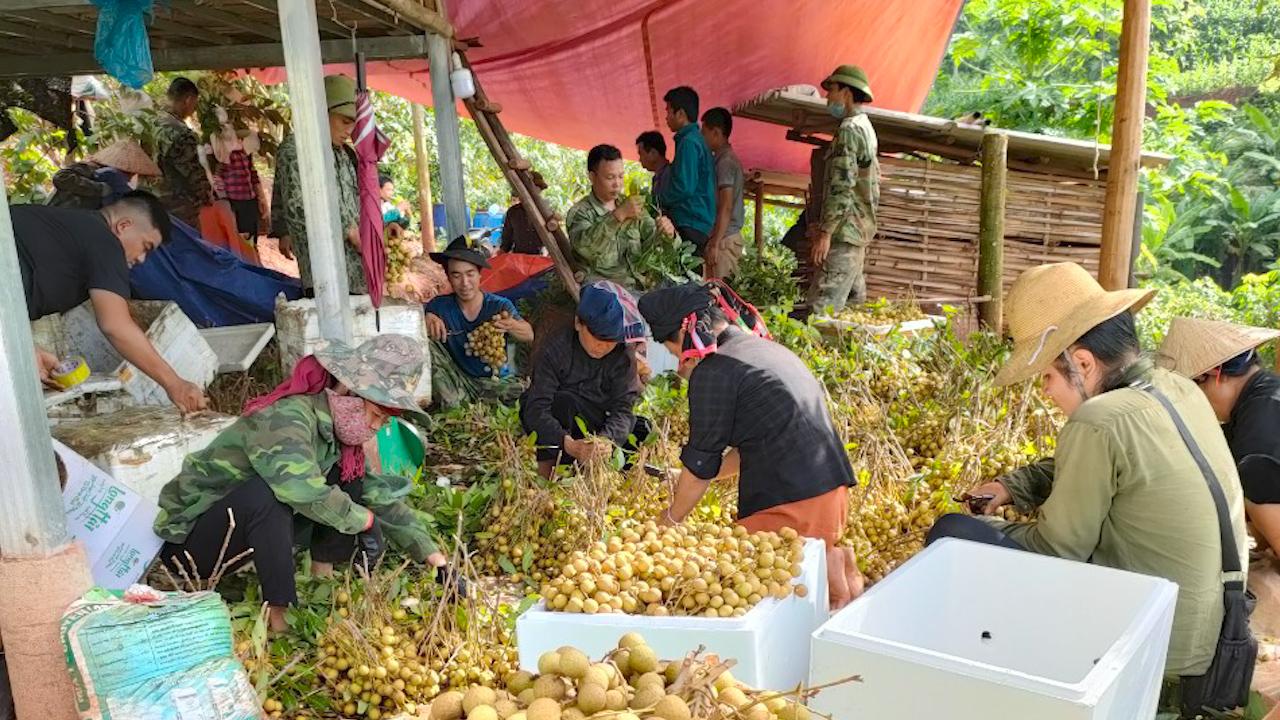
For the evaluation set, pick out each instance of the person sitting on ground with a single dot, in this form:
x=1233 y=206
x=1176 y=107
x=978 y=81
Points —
x=585 y=373
x=288 y=222
x=689 y=195
x=652 y=150
x=518 y=233
x=393 y=211
x=1123 y=489
x=755 y=411
x=184 y=186
x=724 y=247
x=103 y=177
x=1222 y=359
x=67 y=256
x=456 y=375
x=607 y=235
x=296 y=458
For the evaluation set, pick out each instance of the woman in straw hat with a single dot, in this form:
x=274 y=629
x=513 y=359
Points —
x=297 y=455
x=103 y=177
x=1222 y=359
x=1123 y=489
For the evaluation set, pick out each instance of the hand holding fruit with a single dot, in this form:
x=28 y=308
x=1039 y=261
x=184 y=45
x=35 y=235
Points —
x=628 y=209
x=505 y=323
x=1000 y=496
x=587 y=450
x=665 y=226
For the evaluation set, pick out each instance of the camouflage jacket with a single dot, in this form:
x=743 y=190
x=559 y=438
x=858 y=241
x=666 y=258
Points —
x=288 y=217
x=852 y=188
x=605 y=248
x=292 y=447
x=184 y=186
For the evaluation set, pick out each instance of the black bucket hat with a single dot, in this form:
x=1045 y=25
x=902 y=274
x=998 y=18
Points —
x=460 y=249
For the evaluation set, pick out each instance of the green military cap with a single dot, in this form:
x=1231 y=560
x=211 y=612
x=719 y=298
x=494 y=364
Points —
x=384 y=370
x=340 y=95
x=850 y=75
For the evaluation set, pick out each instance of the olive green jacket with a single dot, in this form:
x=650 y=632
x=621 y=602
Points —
x=290 y=445
x=1123 y=491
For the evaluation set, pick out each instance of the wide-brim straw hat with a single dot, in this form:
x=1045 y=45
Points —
x=1050 y=307
x=384 y=370
x=126 y=156
x=1193 y=346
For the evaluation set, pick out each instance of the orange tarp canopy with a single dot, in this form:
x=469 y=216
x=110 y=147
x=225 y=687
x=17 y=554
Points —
x=584 y=72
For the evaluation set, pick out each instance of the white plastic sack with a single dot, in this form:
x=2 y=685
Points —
x=165 y=660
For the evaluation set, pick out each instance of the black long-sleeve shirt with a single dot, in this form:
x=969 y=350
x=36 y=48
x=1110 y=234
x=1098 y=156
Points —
x=1254 y=429
x=609 y=384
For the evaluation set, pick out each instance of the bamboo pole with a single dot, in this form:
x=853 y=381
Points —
x=995 y=150
x=760 y=220
x=426 y=208
x=1126 y=146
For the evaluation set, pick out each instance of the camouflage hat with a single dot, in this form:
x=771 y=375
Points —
x=384 y=370
x=850 y=75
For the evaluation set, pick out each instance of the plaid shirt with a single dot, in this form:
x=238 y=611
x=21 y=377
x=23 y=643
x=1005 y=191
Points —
x=757 y=396
x=239 y=177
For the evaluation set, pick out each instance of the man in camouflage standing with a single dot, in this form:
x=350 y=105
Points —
x=184 y=188
x=850 y=197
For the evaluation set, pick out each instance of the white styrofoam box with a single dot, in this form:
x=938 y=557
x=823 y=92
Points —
x=770 y=642
x=98 y=395
x=298 y=331
x=238 y=346
x=908 y=327
x=659 y=358
x=968 y=631
x=141 y=447
x=170 y=331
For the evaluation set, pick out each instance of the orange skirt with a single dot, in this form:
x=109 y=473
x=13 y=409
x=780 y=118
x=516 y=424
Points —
x=822 y=517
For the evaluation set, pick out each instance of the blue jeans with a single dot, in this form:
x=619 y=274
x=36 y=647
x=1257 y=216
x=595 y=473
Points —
x=967 y=527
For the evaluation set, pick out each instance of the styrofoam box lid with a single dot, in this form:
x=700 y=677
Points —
x=1032 y=621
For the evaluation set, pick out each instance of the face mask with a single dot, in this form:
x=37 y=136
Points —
x=350 y=424
x=836 y=110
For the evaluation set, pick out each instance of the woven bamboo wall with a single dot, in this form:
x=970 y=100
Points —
x=928 y=227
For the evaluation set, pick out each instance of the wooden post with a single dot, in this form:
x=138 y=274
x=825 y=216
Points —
x=1126 y=146
x=301 y=40
x=1136 y=242
x=425 y=207
x=759 y=228
x=448 y=144
x=995 y=147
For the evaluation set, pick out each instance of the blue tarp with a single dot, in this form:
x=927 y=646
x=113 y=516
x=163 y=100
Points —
x=211 y=285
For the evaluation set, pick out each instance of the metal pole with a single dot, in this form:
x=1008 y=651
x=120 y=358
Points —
x=425 y=207
x=448 y=145
x=301 y=39
x=33 y=522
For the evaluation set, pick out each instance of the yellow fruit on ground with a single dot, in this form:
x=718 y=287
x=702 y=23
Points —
x=672 y=707
x=543 y=709
x=526 y=697
x=549 y=686
x=757 y=712
x=448 y=706
x=647 y=697
x=725 y=681
x=518 y=682
x=592 y=699
x=650 y=679
x=519 y=716
x=573 y=662
x=615 y=700
x=671 y=671
x=476 y=697
x=483 y=712
x=506 y=708
x=630 y=641
x=572 y=713
x=596 y=675
x=643 y=660
x=792 y=711
x=549 y=663
x=733 y=697
x=626 y=716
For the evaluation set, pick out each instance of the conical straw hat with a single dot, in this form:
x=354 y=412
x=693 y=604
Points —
x=1193 y=346
x=1049 y=307
x=126 y=156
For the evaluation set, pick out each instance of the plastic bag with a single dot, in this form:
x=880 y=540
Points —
x=170 y=659
x=121 y=45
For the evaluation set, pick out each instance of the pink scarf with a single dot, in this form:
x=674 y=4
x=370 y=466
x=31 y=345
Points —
x=310 y=378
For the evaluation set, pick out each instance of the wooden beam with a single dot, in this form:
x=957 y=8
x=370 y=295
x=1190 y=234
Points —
x=1126 y=146
x=995 y=150
x=215 y=57
x=46 y=38
x=425 y=205
x=418 y=15
x=209 y=12
x=367 y=12
x=325 y=241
